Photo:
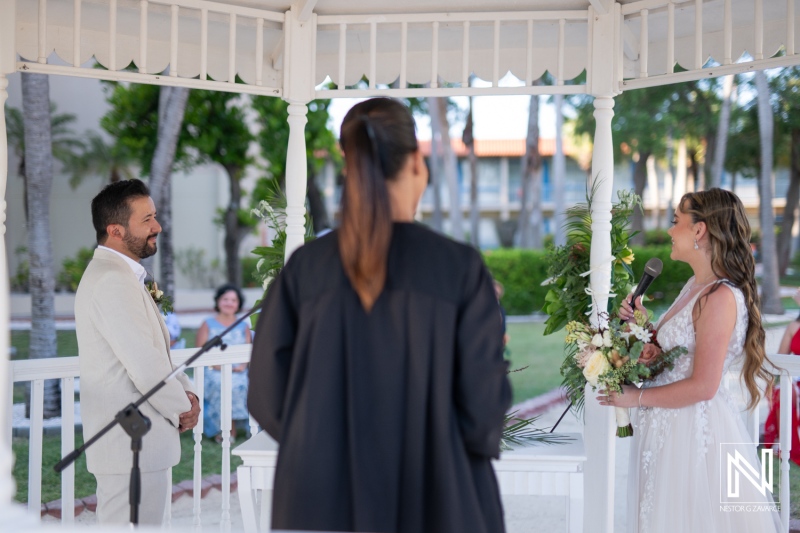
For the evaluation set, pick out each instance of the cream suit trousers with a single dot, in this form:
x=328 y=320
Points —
x=113 y=506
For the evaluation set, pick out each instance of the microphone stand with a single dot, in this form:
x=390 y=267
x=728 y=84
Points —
x=136 y=425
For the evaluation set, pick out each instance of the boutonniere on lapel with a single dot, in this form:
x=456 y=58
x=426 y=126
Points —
x=162 y=300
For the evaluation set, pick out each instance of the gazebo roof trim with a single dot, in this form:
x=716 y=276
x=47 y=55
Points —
x=412 y=48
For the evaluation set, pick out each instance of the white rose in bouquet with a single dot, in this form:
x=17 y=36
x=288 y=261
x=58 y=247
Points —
x=596 y=366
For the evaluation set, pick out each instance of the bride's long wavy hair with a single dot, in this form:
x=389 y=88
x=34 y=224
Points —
x=732 y=258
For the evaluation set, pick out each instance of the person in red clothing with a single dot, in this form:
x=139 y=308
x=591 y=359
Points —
x=790 y=344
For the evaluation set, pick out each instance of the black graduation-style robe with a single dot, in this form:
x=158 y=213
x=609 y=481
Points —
x=386 y=420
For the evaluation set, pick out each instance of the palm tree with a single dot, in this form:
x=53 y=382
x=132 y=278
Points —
x=530 y=210
x=770 y=289
x=98 y=158
x=559 y=176
x=474 y=215
x=171 y=110
x=786 y=87
x=38 y=152
x=437 y=108
x=728 y=95
x=64 y=142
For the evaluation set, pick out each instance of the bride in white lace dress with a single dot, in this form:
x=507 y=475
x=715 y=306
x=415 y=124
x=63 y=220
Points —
x=687 y=423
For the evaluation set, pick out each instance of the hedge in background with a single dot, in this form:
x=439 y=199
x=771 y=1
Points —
x=250 y=276
x=521 y=272
x=668 y=285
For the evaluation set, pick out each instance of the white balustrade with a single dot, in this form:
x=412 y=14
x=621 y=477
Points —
x=153 y=53
x=524 y=43
x=790 y=366
x=733 y=44
x=36 y=371
x=436 y=53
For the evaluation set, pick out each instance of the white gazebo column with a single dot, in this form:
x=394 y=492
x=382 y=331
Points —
x=12 y=517
x=298 y=89
x=6 y=67
x=296 y=179
x=599 y=430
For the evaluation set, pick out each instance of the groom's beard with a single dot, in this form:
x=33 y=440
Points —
x=139 y=246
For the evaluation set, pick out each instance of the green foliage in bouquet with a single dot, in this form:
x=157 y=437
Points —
x=272 y=211
x=567 y=299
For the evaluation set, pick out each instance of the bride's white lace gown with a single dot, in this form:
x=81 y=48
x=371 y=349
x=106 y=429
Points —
x=676 y=475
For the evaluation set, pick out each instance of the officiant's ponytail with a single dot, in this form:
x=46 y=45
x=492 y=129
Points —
x=377 y=136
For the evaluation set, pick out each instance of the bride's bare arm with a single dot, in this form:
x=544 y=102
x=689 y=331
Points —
x=713 y=329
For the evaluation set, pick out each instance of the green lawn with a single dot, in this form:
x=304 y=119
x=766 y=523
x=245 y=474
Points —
x=84 y=481
x=66 y=343
x=541 y=355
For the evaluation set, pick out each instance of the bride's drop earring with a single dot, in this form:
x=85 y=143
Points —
x=696 y=247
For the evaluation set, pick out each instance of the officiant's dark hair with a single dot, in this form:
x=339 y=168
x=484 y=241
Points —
x=377 y=136
x=112 y=205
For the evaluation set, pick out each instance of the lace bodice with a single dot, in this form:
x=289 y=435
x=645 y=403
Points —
x=679 y=331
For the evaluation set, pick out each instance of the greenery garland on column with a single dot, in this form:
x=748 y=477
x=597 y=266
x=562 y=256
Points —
x=568 y=298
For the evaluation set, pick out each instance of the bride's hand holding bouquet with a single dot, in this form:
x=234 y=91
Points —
x=651 y=360
x=616 y=356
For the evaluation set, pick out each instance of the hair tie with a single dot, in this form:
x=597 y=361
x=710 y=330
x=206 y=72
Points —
x=377 y=153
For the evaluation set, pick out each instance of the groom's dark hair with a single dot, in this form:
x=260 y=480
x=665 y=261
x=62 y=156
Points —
x=112 y=205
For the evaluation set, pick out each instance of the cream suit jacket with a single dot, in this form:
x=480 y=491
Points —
x=123 y=348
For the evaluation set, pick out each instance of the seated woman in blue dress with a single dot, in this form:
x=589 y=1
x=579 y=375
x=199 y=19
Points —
x=228 y=301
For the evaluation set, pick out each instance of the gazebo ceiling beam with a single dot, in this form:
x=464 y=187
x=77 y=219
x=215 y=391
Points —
x=304 y=9
x=601 y=7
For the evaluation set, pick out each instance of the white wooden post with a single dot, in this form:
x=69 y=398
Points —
x=197 y=433
x=599 y=429
x=6 y=462
x=9 y=514
x=226 y=404
x=298 y=90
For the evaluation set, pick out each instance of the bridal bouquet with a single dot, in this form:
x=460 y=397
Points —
x=610 y=357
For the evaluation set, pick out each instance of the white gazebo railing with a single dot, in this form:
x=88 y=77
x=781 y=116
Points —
x=790 y=365
x=66 y=369
x=36 y=371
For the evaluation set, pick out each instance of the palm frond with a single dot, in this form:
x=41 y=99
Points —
x=522 y=432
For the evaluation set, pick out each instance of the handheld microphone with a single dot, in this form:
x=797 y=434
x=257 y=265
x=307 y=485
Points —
x=651 y=271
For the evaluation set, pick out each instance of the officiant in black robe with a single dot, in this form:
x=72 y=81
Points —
x=383 y=381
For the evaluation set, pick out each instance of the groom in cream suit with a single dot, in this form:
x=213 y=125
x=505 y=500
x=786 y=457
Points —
x=123 y=347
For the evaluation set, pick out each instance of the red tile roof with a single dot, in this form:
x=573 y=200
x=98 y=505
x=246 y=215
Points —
x=500 y=148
